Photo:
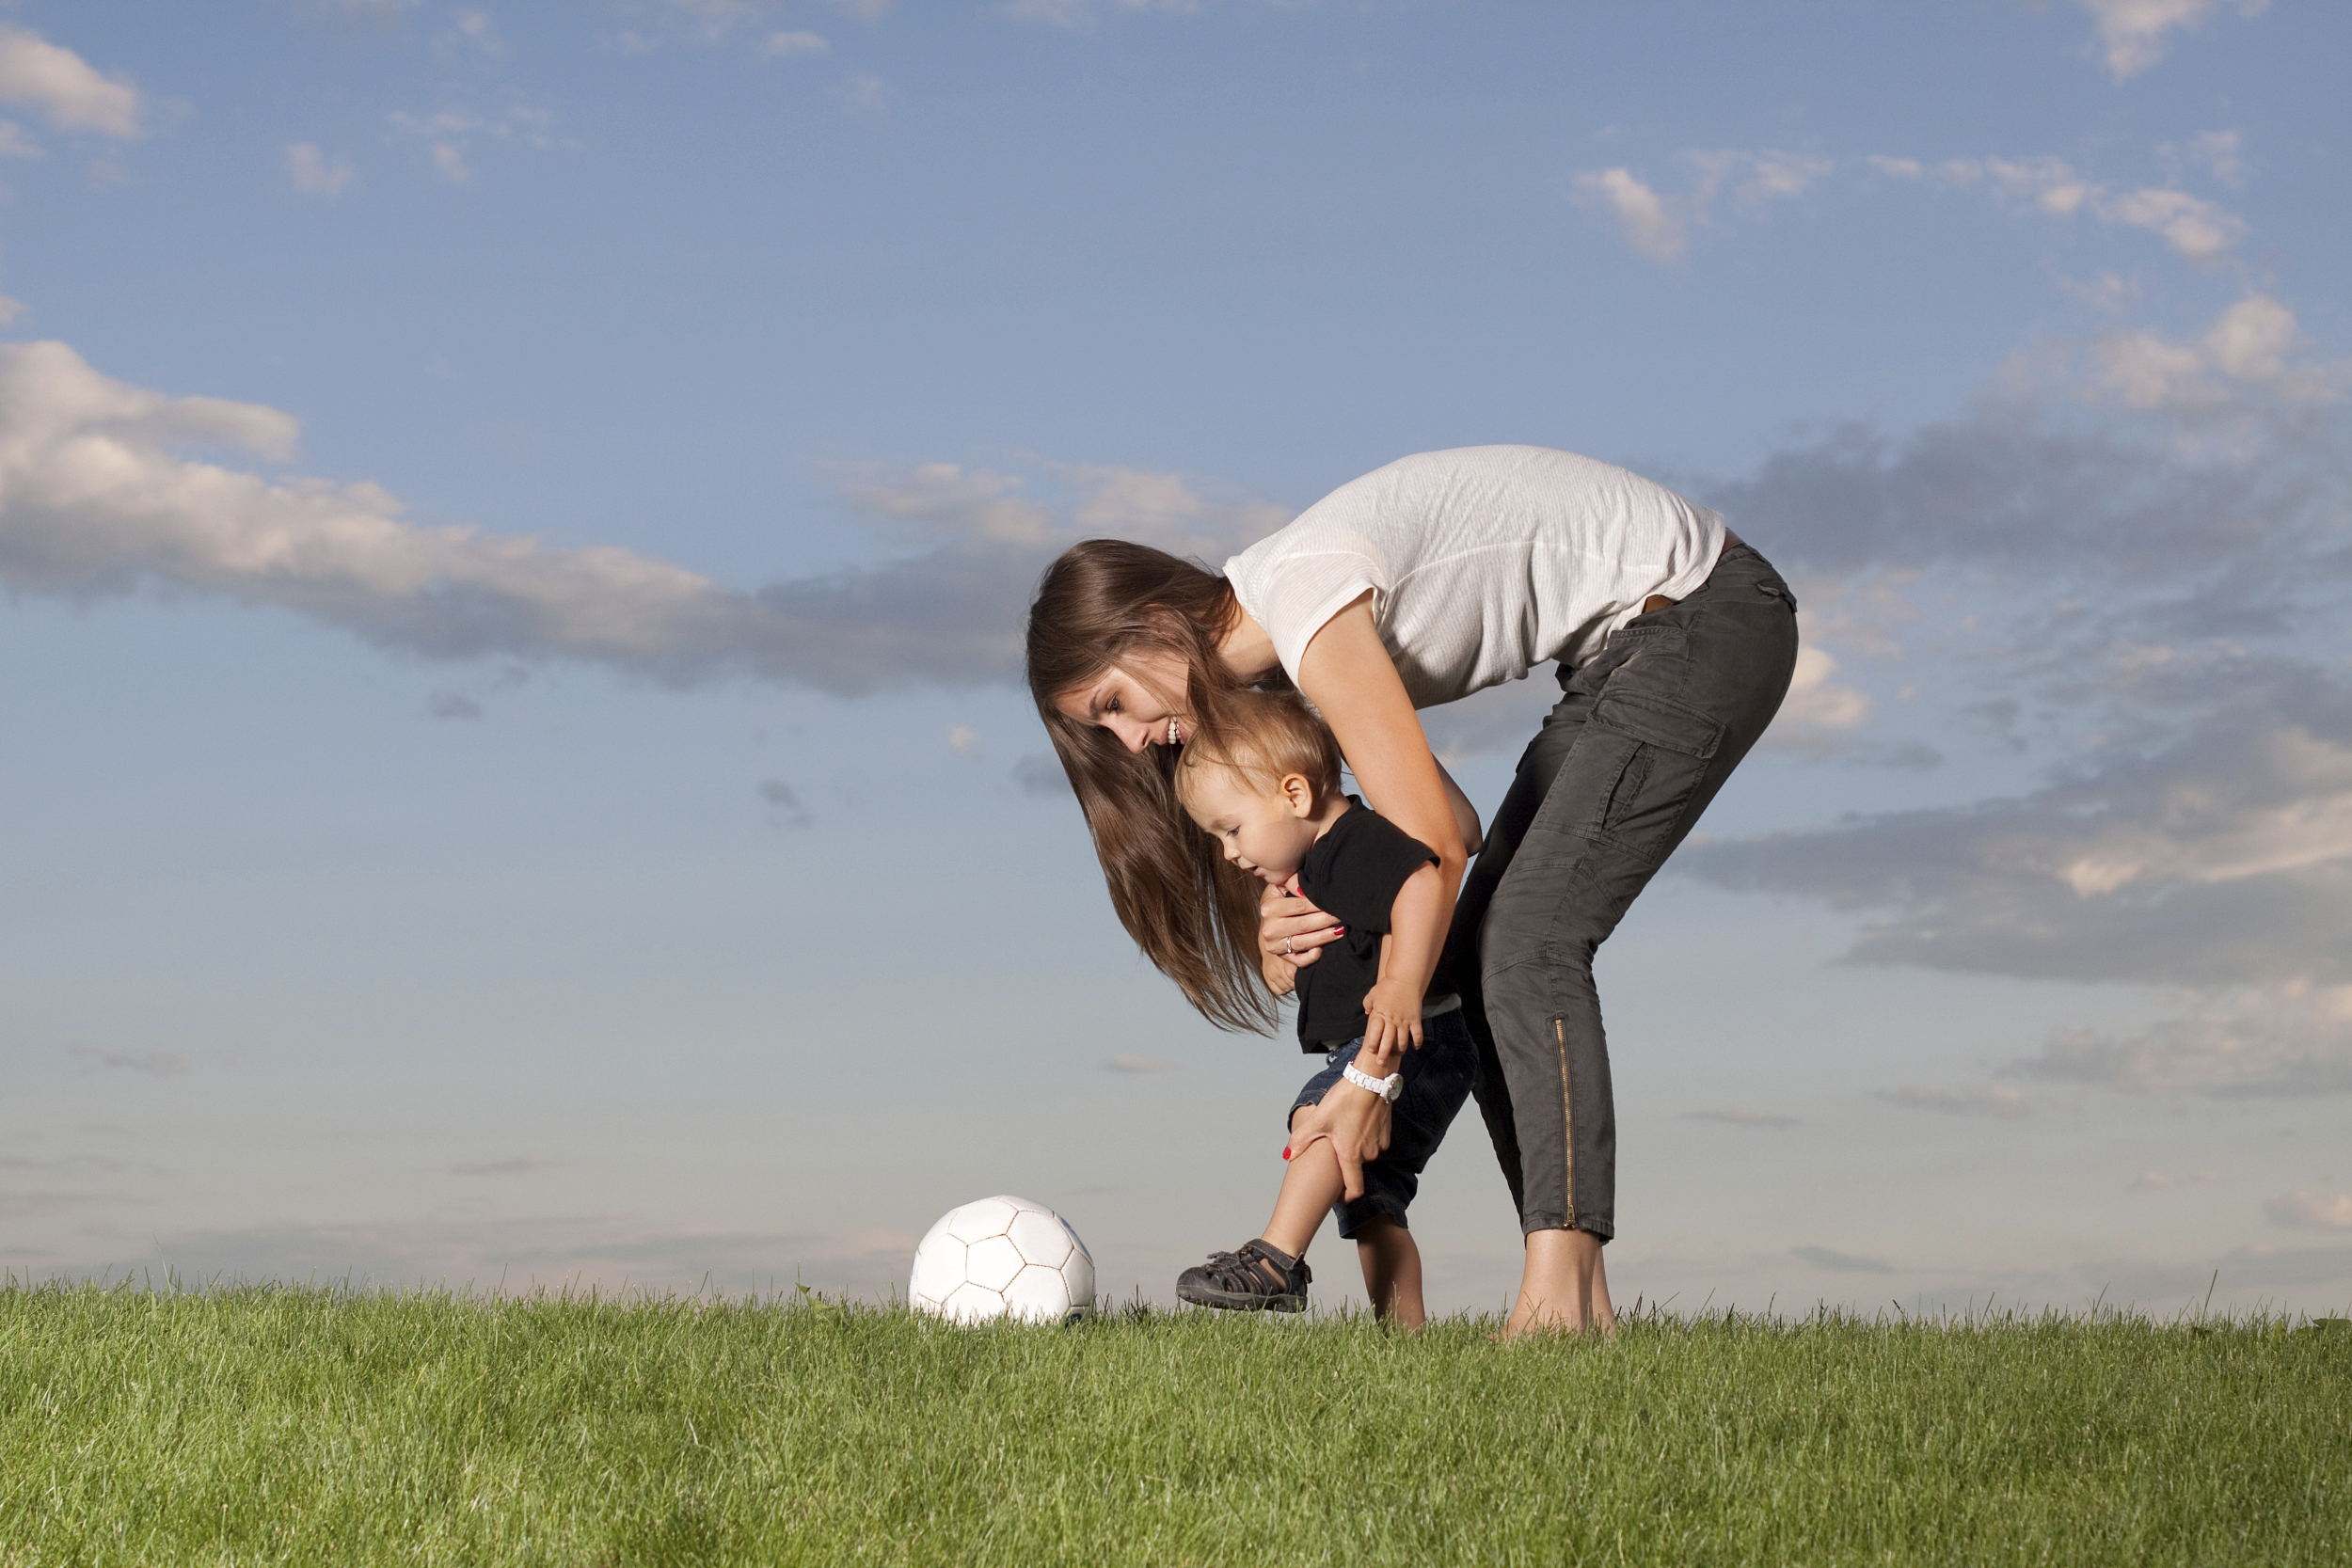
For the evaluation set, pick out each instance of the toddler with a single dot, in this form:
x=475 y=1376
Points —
x=1269 y=794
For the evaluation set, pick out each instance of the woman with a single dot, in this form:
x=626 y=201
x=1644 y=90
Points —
x=1417 y=584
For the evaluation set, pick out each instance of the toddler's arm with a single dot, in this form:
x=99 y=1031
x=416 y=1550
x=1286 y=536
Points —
x=1408 y=956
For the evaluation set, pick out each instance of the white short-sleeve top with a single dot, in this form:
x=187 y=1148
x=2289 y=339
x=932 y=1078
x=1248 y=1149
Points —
x=1483 y=562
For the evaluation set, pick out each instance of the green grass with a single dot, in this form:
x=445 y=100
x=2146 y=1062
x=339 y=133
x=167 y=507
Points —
x=274 y=1424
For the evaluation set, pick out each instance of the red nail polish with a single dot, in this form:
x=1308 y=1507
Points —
x=1286 y=1151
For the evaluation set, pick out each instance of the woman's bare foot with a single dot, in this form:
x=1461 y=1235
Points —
x=1564 y=1288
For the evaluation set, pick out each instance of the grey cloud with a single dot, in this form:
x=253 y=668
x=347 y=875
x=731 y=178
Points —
x=151 y=1063
x=2286 y=1267
x=53 y=1163
x=949 y=614
x=547 y=1252
x=784 y=807
x=43 y=1202
x=2264 y=1043
x=1039 y=773
x=1138 y=1066
x=518 y=1165
x=2127 y=1282
x=2021 y=491
x=2310 y=1210
x=1772 y=1121
x=2213 y=852
x=451 y=704
x=344 y=555
x=2002 y=1103
x=1849 y=750
x=1840 y=1262
x=1998 y=717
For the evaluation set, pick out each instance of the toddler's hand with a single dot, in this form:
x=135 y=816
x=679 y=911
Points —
x=1392 y=1017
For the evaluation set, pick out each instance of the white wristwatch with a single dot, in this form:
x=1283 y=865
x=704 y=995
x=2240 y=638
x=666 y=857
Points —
x=1387 y=1088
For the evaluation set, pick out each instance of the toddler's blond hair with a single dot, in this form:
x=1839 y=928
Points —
x=1269 y=735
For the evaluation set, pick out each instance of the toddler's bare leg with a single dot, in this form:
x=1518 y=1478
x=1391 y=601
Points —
x=1392 y=1264
x=1310 y=1186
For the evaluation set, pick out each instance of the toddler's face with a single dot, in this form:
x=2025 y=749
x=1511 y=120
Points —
x=1263 y=830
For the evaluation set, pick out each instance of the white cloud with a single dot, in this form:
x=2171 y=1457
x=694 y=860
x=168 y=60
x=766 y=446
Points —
x=2189 y=224
x=865 y=93
x=716 y=18
x=14 y=143
x=63 y=87
x=10 y=308
x=2108 y=292
x=966 y=500
x=1641 y=214
x=722 y=22
x=963 y=740
x=2252 y=347
x=451 y=136
x=1996 y=1100
x=2195 y=227
x=1153 y=507
x=2311 y=1211
x=1752 y=176
x=1817 y=703
x=362 y=11
x=474 y=32
x=2219 y=153
x=1164 y=509
x=96 y=495
x=1081 y=13
x=2132 y=34
x=313 y=173
x=1660 y=225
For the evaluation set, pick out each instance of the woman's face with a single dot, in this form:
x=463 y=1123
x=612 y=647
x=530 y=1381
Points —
x=1137 y=699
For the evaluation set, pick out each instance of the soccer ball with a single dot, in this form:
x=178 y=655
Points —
x=1003 y=1257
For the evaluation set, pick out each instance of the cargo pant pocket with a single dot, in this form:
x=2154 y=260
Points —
x=1653 y=753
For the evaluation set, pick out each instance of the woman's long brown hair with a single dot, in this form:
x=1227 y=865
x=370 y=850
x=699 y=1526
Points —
x=1194 y=915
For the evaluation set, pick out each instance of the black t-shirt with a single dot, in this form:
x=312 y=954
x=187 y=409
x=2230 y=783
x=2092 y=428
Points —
x=1354 y=871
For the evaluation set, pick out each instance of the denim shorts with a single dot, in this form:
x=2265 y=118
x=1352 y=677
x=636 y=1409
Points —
x=1437 y=1078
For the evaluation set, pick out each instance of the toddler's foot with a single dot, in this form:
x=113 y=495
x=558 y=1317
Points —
x=1256 y=1278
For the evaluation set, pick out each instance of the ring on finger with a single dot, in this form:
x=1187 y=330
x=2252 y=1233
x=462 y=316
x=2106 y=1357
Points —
x=1286 y=946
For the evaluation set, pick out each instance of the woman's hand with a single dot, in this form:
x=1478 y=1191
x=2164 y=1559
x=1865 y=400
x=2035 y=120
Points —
x=1357 y=1122
x=1289 y=919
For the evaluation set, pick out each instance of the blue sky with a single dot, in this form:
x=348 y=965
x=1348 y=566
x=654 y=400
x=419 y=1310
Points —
x=515 y=520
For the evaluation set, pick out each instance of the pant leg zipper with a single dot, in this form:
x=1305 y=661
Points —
x=1568 y=1117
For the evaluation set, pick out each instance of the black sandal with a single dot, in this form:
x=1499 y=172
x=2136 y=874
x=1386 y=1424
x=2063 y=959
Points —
x=1241 y=1281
